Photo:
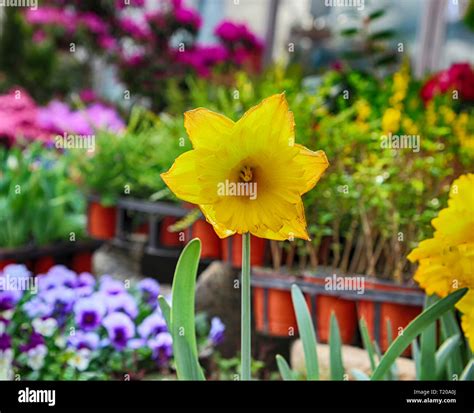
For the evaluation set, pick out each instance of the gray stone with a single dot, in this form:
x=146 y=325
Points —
x=216 y=295
x=352 y=357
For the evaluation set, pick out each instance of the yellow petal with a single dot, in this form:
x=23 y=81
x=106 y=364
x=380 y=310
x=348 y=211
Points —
x=312 y=165
x=267 y=125
x=210 y=215
x=183 y=179
x=207 y=129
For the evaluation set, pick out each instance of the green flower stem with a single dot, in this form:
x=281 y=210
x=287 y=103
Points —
x=246 y=295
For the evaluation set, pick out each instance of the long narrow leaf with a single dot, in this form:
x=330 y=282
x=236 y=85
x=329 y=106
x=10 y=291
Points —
x=444 y=354
x=449 y=328
x=393 y=375
x=416 y=357
x=468 y=373
x=427 y=317
x=182 y=313
x=335 y=350
x=307 y=334
x=367 y=343
x=284 y=369
x=428 y=346
x=166 y=311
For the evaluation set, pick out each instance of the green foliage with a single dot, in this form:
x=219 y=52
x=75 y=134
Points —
x=386 y=368
x=39 y=202
x=181 y=322
x=130 y=164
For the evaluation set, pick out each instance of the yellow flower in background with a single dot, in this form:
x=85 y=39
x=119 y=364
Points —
x=409 y=126
x=363 y=110
x=401 y=80
x=446 y=261
x=249 y=175
x=391 y=120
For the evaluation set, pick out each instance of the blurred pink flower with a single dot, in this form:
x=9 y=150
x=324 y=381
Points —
x=459 y=76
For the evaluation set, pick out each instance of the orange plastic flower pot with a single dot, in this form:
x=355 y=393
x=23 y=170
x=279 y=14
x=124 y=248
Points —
x=232 y=250
x=43 y=264
x=323 y=305
x=210 y=242
x=168 y=238
x=82 y=262
x=376 y=314
x=101 y=222
x=273 y=312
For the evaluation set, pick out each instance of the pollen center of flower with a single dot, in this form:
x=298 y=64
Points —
x=246 y=174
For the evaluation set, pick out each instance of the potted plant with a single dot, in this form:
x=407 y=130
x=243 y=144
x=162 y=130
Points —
x=40 y=205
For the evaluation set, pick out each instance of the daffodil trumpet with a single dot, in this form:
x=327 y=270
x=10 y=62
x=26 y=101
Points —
x=247 y=177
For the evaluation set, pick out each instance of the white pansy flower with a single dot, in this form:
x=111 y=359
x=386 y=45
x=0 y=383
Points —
x=36 y=357
x=6 y=359
x=80 y=359
x=45 y=327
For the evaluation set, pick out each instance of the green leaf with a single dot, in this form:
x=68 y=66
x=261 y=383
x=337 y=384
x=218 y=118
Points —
x=359 y=375
x=165 y=310
x=376 y=14
x=416 y=357
x=284 y=369
x=182 y=313
x=444 y=354
x=349 y=32
x=307 y=334
x=428 y=346
x=335 y=350
x=421 y=322
x=449 y=328
x=468 y=373
x=367 y=343
x=382 y=35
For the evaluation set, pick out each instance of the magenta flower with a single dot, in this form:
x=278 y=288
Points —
x=93 y=23
x=135 y=30
x=188 y=17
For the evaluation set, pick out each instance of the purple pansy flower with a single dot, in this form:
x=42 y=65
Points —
x=162 y=347
x=150 y=290
x=123 y=302
x=57 y=276
x=34 y=341
x=81 y=339
x=85 y=284
x=37 y=307
x=89 y=312
x=120 y=329
x=110 y=286
x=216 y=334
x=152 y=325
x=5 y=342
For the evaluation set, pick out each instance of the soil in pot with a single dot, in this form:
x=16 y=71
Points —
x=101 y=222
x=323 y=305
x=232 y=250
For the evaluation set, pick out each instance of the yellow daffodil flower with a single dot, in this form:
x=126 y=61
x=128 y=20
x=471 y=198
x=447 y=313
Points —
x=249 y=175
x=446 y=261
